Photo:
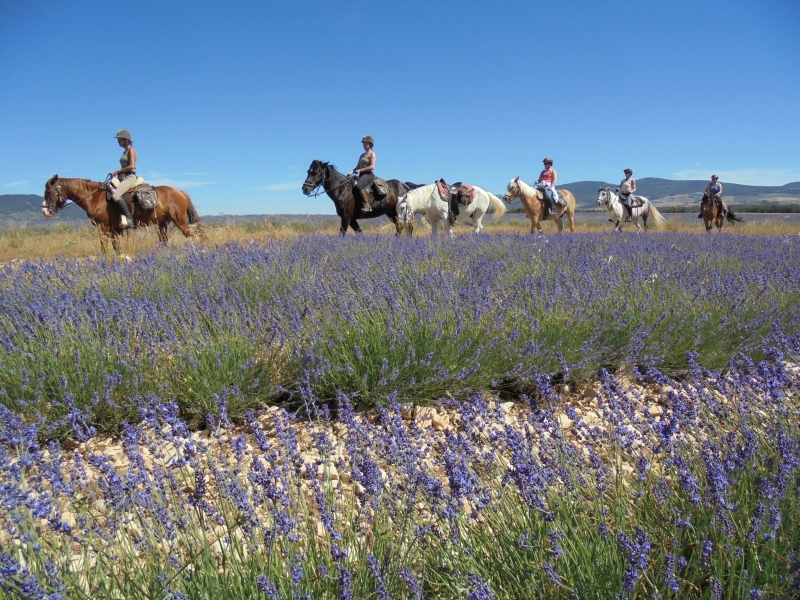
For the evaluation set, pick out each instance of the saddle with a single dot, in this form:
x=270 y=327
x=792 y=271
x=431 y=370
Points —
x=142 y=196
x=636 y=201
x=459 y=194
x=377 y=191
x=463 y=193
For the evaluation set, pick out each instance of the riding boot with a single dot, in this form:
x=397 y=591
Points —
x=363 y=199
x=551 y=207
x=700 y=216
x=126 y=220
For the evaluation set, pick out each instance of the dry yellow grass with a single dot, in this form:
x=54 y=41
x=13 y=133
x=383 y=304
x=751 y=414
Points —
x=48 y=242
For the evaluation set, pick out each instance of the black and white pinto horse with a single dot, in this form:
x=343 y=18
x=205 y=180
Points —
x=617 y=212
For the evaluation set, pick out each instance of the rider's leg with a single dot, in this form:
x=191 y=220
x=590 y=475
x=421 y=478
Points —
x=625 y=199
x=359 y=190
x=551 y=205
x=126 y=184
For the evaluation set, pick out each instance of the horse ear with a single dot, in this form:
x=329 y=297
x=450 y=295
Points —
x=54 y=178
x=517 y=179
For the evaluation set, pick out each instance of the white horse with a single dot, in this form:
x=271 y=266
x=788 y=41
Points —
x=617 y=212
x=436 y=207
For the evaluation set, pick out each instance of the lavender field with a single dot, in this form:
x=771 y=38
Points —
x=314 y=417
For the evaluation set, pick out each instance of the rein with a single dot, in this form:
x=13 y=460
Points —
x=64 y=201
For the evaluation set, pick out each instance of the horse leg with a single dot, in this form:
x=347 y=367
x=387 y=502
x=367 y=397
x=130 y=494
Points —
x=571 y=217
x=397 y=228
x=355 y=226
x=644 y=220
x=103 y=231
x=434 y=227
x=559 y=224
x=345 y=223
x=477 y=221
x=162 y=231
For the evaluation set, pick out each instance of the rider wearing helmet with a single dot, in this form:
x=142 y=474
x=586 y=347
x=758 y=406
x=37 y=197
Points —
x=714 y=191
x=547 y=184
x=126 y=175
x=626 y=187
x=365 y=171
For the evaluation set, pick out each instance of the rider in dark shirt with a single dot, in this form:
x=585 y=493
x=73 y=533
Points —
x=365 y=171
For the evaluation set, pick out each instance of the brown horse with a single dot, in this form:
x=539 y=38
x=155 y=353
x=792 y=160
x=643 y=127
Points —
x=174 y=206
x=535 y=206
x=340 y=189
x=712 y=215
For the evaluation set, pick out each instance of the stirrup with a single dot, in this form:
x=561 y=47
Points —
x=125 y=223
x=367 y=207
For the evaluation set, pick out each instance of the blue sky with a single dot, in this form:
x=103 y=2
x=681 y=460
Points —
x=231 y=100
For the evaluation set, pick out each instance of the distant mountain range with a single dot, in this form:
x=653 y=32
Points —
x=664 y=192
x=668 y=192
x=28 y=207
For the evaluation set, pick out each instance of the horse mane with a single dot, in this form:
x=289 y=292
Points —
x=526 y=191
x=418 y=197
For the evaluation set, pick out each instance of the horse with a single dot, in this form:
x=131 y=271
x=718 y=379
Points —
x=436 y=206
x=616 y=211
x=713 y=216
x=535 y=206
x=174 y=206
x=340 y=189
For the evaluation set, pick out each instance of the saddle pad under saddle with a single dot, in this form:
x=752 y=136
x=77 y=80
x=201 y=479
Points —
x=636 y=201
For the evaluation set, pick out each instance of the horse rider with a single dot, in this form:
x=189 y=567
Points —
x=547 y=184
x=126 y=175
x=626 y=187
x=365 y=171
x=714 y=191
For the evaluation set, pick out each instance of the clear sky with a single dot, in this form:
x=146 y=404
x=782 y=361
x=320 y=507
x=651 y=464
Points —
x=231 y=101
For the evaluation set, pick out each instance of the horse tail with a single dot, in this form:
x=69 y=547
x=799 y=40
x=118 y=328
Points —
x=732 y=218
x=658 y=218
x=191 y=211
x=497 y=204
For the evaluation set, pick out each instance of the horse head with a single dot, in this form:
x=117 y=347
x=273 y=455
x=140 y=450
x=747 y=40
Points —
x=315 y=176
x=604 y=196
x=512 y=190
x=405 y=214
x=54 y=200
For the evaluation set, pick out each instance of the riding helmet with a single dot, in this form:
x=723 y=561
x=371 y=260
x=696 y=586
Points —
x=125 y=134
x=714 y=177
x=548 y=160
x=368 y=139
x=628 y=171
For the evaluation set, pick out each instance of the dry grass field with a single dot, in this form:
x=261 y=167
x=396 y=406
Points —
x=50 y=241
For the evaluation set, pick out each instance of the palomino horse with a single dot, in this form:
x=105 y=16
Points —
x=340 y=189
x=174 y=206
x=713 y=216
x=436 y=206
x=535 y=206
x=616 y=211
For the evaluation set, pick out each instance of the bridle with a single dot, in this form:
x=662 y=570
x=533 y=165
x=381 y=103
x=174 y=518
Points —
x=65 y=202
x=321 y=182
x=606 y=195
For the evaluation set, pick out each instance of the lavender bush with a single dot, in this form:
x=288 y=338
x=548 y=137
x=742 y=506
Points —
x=653 y=488
x=296 y=319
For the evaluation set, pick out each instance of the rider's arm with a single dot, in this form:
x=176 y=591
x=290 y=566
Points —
x=555 y=178
x=633 y=185
x=371 y=165
x=720 y=188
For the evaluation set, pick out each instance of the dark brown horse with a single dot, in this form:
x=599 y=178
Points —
x=712 y=215
x=340 y=189
x=174 y=206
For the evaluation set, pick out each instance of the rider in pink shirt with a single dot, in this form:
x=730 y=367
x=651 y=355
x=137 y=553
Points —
x=547 y=184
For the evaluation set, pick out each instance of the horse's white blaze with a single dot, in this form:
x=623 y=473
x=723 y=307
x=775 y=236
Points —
x=429 y=200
